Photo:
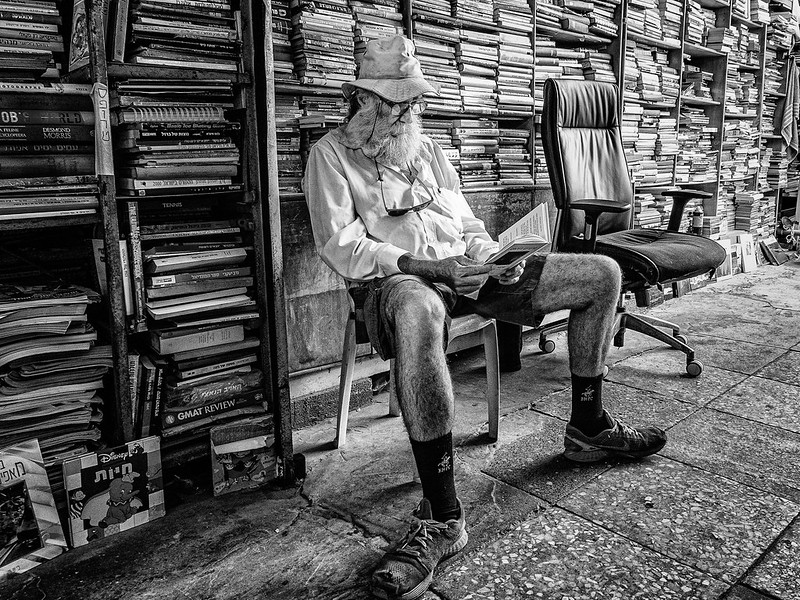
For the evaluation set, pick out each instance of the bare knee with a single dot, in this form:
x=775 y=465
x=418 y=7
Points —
x=606 y=277
x=419 y=310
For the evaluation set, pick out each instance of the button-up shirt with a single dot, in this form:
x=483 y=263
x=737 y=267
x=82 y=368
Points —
x=348 y=195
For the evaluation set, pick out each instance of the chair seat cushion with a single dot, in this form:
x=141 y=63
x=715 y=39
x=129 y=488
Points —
x=660 y=256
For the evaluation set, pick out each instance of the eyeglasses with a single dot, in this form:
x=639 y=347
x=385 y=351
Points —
x=398 y=109
x=399 y=212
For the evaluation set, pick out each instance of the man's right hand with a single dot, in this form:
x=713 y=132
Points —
x=460 y=273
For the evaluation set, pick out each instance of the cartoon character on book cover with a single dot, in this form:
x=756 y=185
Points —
x=242 y=456
x=30 y=530
x=114 y=490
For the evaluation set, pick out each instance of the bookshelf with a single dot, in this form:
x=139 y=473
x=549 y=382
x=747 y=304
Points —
x=158 y=199
x=674 y=62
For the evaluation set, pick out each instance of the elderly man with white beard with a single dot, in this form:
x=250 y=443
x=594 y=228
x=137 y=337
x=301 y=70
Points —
x=389 y=217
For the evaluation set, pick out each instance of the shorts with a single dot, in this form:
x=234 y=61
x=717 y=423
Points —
x=509 y=303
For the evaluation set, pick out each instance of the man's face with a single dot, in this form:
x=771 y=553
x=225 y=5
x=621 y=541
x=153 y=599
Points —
x=390 y=131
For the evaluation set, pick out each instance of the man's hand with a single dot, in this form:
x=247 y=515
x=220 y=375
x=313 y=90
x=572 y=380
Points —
x=512 y=275
x=460 y=273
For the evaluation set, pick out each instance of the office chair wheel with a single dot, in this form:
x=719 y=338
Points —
x=682 y=338
x=694 y=368
x=547 y=346
x=605 y=371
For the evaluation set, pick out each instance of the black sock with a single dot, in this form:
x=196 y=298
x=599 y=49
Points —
x=435 y=466
x=587 y=405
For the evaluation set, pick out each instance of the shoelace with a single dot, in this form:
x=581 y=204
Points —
x=419 y=536
x=623 y=430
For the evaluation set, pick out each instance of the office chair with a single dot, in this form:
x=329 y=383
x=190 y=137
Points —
x=459 y=337
x=593 y=193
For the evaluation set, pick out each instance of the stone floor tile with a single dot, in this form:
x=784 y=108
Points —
x=534 y=462
x=741 y=316
x=634 y=406
x=733 y=355
x=664 y=372
x=778 y=573
x=741 y=592
x=763 y=400
x=752 y=453
x=711 y=523
x=557 y=555
x=785 y=368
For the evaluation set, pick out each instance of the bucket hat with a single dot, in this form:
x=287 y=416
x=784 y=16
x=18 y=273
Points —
x=390 y=70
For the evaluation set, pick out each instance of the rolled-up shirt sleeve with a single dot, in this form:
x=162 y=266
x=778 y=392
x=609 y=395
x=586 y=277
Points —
x=480 y=244
x=340 y=235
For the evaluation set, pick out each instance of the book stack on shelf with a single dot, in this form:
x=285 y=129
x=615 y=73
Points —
x=696 y=161
x=478 y=144
x=47 y=131
x=31 y=40
x=698 y=21
x=671 y=13
x=759 y=11
x=514 y=166
x=319 y=115
x=198 y=368
x=750 y=212
x=514 y=74
x=282 y=58
x=741 y=8
x=51 y=369
x=441 y=131
x=323 y=42
x=477 y=60
x=644 y=19
x=747 y=47
x=782 y=25
x=375 y=20
x=174 y=138
x=721 y=39
x=435 y=36
x=205 y=35
x=287 y=133
x=739 y=157
x=645 y=214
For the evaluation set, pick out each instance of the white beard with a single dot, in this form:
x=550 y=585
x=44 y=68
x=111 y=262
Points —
x=384 y=138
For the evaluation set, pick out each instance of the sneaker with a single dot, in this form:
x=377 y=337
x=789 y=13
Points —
x=619 y=440
x=406 y=572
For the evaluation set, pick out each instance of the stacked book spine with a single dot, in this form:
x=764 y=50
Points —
x=477 y=59
x=698 y=21
x=287 y=133
x=51 y=369
x=514 y=75
x=322 y=42
x=282 y=58
x=374 y=20
x=478 y=145
x=203 y=35
x=436 y=36
x=31 y=40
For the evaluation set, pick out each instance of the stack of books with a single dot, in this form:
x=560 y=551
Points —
x=287 y=133
x=477 y=60
x=749 y=211
x=478 y=144
x=765 y=158
x=540 y=174
x=436 y=36
x=323 y=42
x=373 y=21
x=515 y=73
x=746 y=48
x=739 y=153
x=596 y=66
x=671 y=17
x=282 y=61
x=31 y=40
x=629 y=131
x=644 y=19
x=698 y=20
x=741 y=8
x=199 y=287
x=696 y=162
x=781 y=28
x=514 y=165
x=645 y=214
x=721 y=39
x=725 y=202
x=319 y=115
x=51 y=370
x=441 y=131
x=697 y=83
x=205 y=35
x=759 y=11
x=174 y=138
x=513 y=16
x=48 y=130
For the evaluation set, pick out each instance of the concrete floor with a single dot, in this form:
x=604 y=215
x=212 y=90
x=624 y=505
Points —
x=713 y=515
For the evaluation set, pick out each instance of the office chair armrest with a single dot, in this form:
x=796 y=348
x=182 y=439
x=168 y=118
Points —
x=680 y=197
x=593 y=208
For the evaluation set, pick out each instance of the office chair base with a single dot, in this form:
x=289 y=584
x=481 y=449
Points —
x=650 y=326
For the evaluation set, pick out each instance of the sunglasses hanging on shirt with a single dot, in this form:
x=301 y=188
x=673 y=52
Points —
x=399 y=212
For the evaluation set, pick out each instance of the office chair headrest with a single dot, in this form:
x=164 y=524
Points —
x=582 y=104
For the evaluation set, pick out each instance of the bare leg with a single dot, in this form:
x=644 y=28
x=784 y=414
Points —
x=424 y=388
x=588 y=285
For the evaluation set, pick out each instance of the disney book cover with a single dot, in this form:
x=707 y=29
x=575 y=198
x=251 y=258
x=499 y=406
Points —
x=114 y=489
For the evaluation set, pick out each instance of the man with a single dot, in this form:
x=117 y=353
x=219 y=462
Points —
x=387 y=214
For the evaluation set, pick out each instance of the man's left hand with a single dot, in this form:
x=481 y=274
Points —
x=512 y=275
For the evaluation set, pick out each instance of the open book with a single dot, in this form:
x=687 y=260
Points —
x=528 y=236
